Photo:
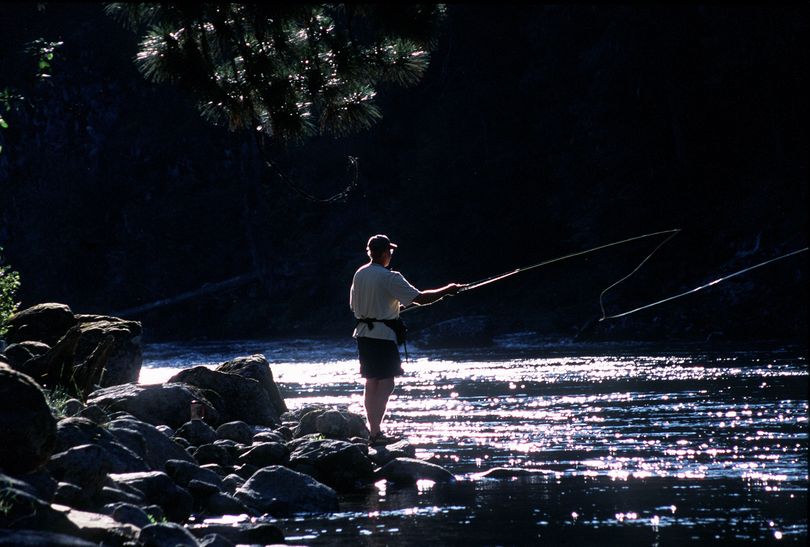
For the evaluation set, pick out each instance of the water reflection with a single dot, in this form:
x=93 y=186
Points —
x=623 y=441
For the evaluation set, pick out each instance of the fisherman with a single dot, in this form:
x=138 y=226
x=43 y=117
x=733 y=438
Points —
x=375 y=298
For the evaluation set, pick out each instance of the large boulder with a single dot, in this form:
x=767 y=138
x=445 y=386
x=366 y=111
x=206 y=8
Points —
x=243 y=398
x=27 y=427
x=77 y=431
x=45 y=323
x=257 y=368
x=339 y=464
x=149 y=443
x=279 y=491
x=158 y=404
x=126 y=356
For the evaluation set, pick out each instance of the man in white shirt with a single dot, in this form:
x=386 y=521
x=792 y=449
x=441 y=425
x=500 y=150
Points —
x=375 y=298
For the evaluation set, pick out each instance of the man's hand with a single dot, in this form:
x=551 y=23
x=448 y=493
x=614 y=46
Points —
x=453 y=288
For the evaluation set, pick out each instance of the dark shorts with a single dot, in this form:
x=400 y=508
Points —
x=379 y=358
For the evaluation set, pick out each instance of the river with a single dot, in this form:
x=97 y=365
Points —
x=628 y=444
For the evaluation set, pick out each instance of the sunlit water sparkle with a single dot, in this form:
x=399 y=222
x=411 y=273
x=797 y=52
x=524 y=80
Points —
x=619 y=439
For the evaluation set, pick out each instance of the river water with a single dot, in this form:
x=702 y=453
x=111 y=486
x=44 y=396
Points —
x=627 y=444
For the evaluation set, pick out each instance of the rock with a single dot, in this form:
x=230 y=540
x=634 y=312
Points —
x=156 y=449
x=257 y=368
x=126 y=355
x=159 y=489
x=278 y=490
x=509 y=472
x=264 y=454
x=85 y=466
x=27 y=427
x=268 y=437
x=159 y=404
x=114 y=495
x=19 y=354
x=197 y=432
x=71 y=495
x=339 y=464
x=198 y=488
x=45 y=323
x=332 y=423
x=72 y=407
x=98 y=528
x=383 y=454
x=76 y=431
x=94 y=414
x=243 y=398
x=237 y=431
x=224 y=504
x=33 y=538
x=408 y=471
x=7 y=481
x=246 y=470
x=214 y=540
x=39 y=484
x=183 y=472
x=212 y=453
x=241 y=534
x=232 y=482
x=27 y=512
x=166 y=430
x=128 y=513
x=166 y=534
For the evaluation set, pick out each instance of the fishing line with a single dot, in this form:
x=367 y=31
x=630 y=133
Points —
x=510 y=273
x=696 y=289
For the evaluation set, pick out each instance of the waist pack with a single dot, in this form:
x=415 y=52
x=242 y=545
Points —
x=397 y=325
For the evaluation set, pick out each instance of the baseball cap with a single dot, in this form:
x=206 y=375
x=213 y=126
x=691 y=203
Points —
x=379 y=243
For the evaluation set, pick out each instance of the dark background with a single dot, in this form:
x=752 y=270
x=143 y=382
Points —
x=538 y=131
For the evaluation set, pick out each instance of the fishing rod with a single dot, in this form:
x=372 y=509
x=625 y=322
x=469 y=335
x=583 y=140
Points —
x=510 y=273
x=696 y=289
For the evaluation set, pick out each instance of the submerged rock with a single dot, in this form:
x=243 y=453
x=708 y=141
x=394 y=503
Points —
x=408 y=470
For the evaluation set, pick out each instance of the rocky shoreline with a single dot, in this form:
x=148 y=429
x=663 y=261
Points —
x=114 y=462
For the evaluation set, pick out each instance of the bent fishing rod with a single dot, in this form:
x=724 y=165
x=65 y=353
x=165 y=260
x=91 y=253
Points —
x=486 y=281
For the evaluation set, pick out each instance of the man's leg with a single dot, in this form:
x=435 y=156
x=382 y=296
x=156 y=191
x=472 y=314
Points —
x=376 y=399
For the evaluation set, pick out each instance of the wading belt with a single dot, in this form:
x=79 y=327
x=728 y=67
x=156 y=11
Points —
x=397 y=325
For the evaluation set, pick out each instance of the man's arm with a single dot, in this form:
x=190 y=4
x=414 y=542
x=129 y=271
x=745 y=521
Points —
x=431 y=296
